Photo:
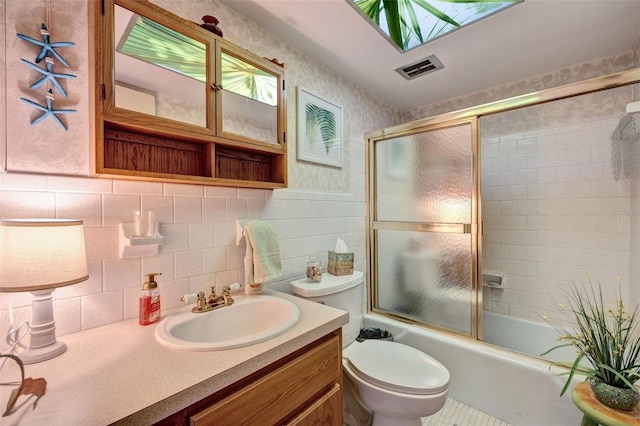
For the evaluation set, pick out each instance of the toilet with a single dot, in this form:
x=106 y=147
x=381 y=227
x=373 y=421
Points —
x=393 y=383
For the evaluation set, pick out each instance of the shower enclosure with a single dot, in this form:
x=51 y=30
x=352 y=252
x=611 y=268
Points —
x=425 y=222
x=530 y=189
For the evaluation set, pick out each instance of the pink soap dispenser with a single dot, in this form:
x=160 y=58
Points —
x=149 y=302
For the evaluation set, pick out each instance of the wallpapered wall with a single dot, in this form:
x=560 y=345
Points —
x=321 y=204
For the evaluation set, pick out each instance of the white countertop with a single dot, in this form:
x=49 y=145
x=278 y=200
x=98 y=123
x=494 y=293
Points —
x=119 y=373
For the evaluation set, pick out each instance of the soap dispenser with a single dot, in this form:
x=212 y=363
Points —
x=149 y=300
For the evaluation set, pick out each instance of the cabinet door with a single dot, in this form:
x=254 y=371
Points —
x=281 y=393
x=158 y=69
x=250 y=99
x=327 y=410
x=168 y=108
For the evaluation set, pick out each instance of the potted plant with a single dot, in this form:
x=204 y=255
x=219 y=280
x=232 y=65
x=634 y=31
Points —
x=608 y=339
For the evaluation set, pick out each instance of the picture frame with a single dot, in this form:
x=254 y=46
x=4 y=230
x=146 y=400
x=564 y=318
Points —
x=320 y=129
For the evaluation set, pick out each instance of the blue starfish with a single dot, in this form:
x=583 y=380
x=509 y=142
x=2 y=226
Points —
x=48 y=75
x=47 y=46
x=48 y=111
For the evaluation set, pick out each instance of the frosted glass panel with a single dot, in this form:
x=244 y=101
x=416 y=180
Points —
x=425 y=177
x=426 y=277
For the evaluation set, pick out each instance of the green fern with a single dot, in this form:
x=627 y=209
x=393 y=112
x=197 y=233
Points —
x=320 y=118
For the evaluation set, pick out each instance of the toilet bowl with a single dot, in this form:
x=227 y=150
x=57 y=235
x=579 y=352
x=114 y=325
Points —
x=395 y=383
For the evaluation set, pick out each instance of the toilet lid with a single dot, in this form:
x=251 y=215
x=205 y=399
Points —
x=398 y=367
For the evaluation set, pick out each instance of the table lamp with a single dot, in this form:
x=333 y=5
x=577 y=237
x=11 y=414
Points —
x=39 y=255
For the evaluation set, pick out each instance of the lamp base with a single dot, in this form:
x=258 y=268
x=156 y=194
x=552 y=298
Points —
x=43 y=344
x=33 y=355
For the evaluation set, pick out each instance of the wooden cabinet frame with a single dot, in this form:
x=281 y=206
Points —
x=134 y=145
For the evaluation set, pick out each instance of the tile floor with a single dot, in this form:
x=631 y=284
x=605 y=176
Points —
x=455 y=413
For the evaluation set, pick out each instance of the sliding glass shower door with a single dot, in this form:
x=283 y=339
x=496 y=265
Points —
x=423 y=226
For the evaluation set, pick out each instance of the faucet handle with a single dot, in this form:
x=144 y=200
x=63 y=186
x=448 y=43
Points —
x=201 y=303
x=226 y=294
x=212 y=295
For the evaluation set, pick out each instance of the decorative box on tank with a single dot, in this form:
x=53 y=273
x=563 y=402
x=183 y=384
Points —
x=340 y=263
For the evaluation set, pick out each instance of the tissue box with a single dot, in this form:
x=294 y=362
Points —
x=340 y=263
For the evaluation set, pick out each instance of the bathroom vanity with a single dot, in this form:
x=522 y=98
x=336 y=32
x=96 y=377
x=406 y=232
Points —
x=120 y=374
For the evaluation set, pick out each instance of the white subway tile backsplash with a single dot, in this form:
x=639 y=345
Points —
x=237 y=208
x=220 y=192
x=215 y=259
x=251 y=193
x=225 y=234
x=184 y=190
x=67 y=314
x=19 y=204
x=202 y=235
x=93 y=285
x=256 y=208
x=171 y=292
x=188 y=263
x=161 y=206
x=187 y=209
x=228 y=277
x=163 y=263
x=122 y=273
x=119 y=208
x=103 y=308
x=87 y=207
x=176 y=237
x=101 y=243
x=137 y=187
x=24 y=182
x=214 y=209
x=80 y=184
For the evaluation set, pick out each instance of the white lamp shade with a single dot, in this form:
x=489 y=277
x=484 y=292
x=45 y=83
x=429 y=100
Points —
x=39 y=254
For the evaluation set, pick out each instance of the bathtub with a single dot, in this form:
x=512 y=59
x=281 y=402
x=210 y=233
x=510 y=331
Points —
x=515 y=388
x=525 y=336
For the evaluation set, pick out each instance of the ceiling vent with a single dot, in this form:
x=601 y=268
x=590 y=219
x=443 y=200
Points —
x=422 y=67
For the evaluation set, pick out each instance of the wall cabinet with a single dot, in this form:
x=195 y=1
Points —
x=304 y=388
x=176 y=102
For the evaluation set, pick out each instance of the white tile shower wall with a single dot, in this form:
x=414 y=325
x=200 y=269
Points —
x=552 y=214
x=514 y=159
x=634 y=290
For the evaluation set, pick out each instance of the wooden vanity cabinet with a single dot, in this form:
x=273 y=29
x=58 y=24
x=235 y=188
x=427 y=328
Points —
x=175 y=102
x=304 y=388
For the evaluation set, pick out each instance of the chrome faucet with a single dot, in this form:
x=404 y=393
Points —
x=213 y=301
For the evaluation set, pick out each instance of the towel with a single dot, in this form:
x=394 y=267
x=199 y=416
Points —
x=623 y=145
x=262 y=259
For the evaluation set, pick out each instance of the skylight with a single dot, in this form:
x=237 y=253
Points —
x=411 y=23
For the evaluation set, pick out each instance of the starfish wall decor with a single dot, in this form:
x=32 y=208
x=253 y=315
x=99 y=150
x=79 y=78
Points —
x=48 y=53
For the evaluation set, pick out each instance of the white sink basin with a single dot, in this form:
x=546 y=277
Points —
x=251 y=319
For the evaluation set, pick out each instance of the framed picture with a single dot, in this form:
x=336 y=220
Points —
x=319 y=129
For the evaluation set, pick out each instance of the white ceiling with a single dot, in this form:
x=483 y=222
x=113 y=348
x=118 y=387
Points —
x=525 y=40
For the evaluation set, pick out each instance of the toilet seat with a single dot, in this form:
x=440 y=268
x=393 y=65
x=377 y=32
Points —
x=397 y=367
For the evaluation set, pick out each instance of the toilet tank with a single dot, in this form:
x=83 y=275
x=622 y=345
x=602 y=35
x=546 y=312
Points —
x=344 y=292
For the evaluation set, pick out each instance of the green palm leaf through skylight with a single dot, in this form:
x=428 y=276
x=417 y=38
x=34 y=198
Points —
x=410 y=23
